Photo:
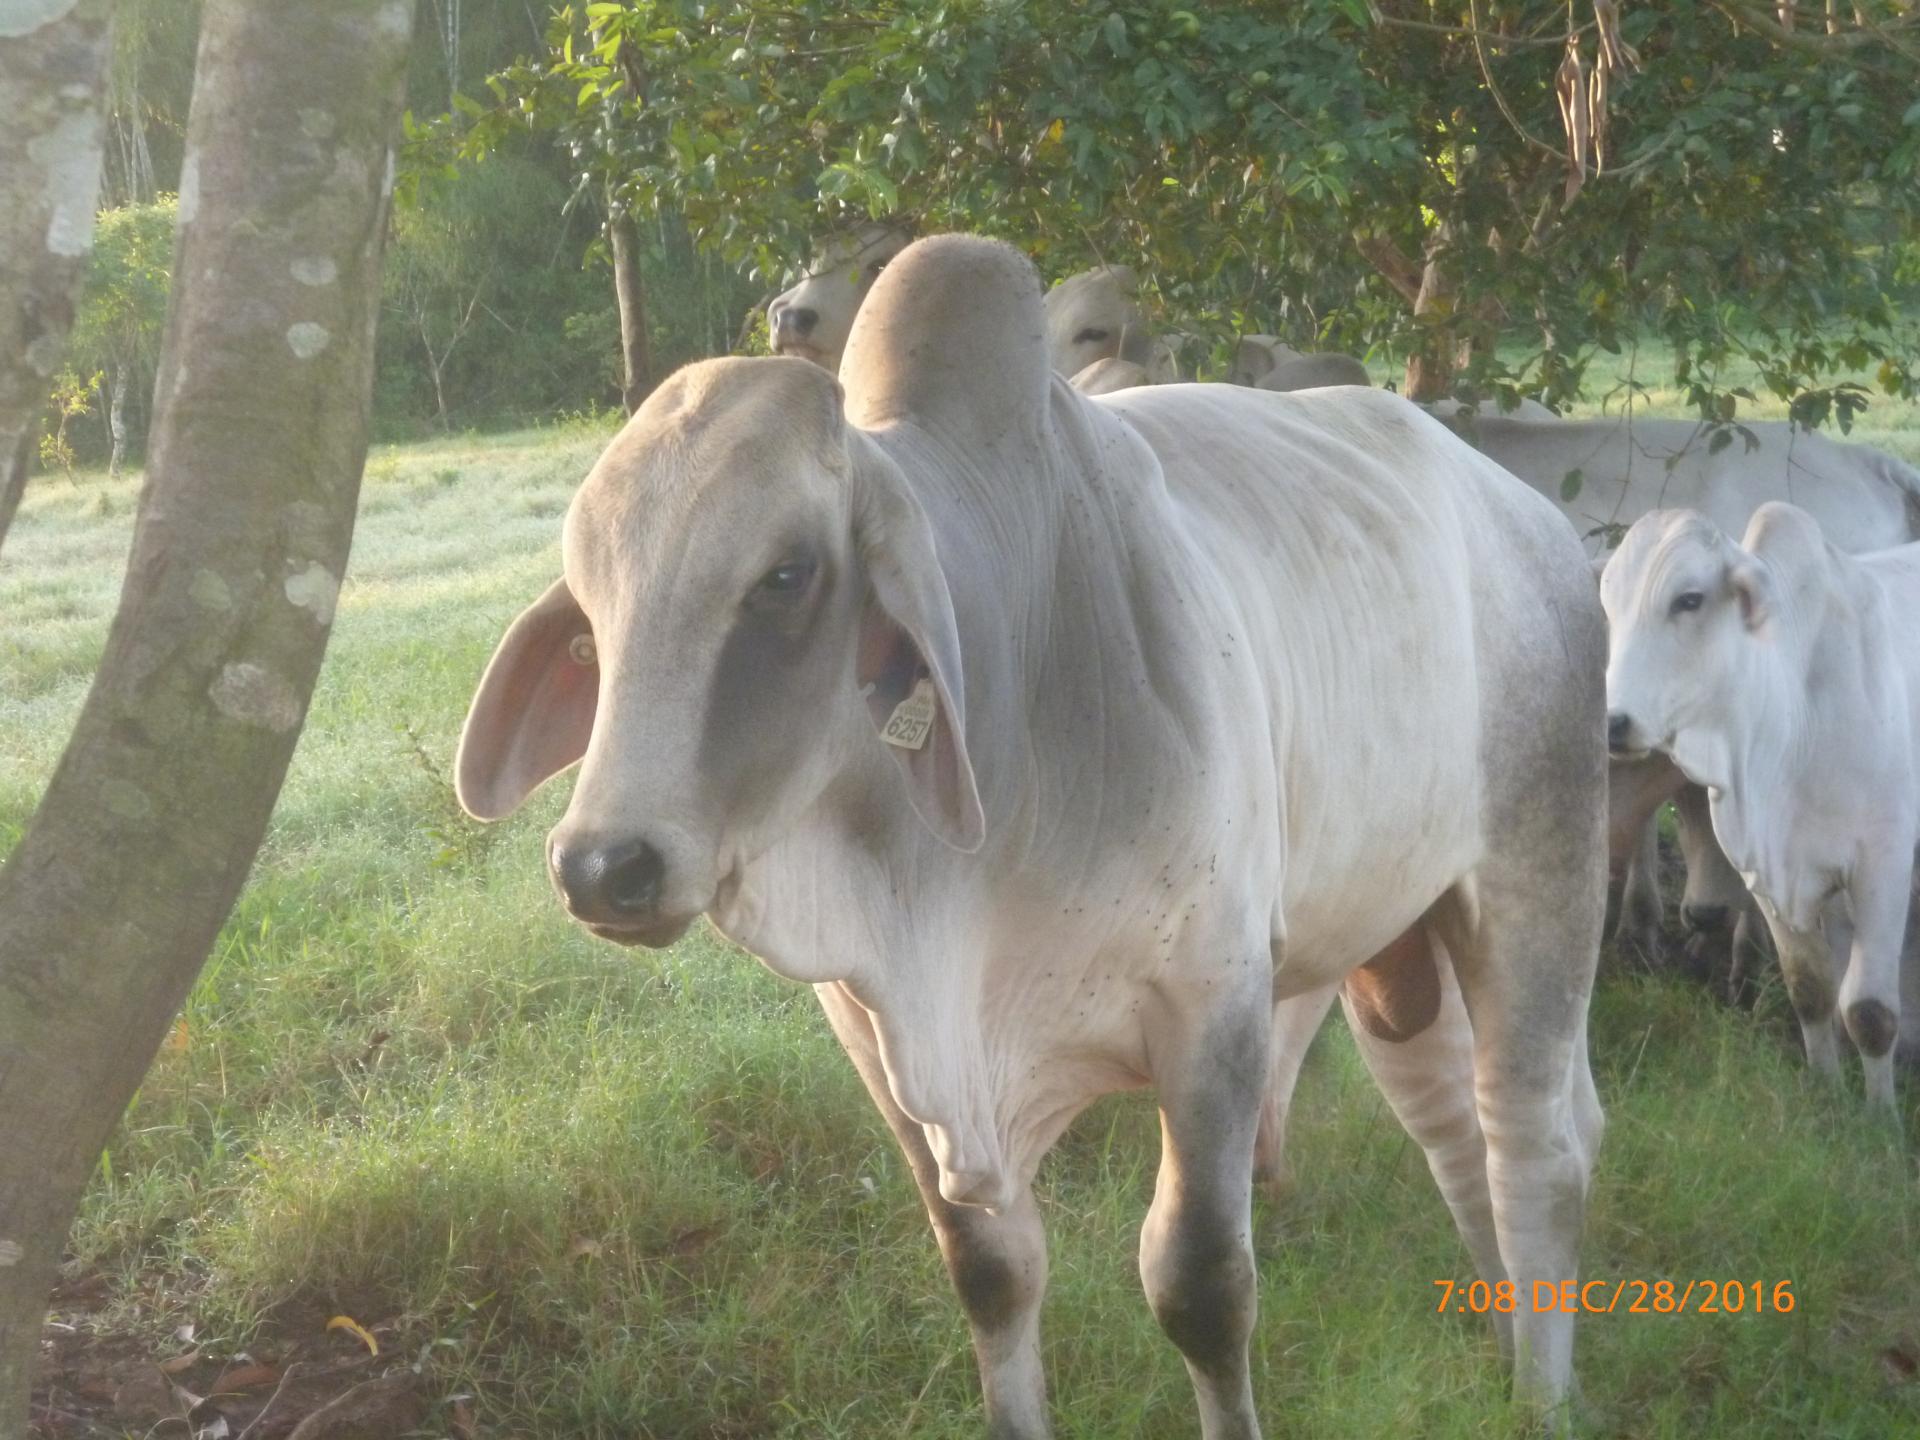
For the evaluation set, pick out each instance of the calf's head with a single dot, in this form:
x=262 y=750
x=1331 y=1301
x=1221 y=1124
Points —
x=1687 y=612
x=814 y=318
x=750 y=594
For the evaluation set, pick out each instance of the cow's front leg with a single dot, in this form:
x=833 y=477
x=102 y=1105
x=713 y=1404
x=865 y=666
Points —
x=1196 y=1248
x=1295 y=1023
x=997 y=1260
x=1806 y=964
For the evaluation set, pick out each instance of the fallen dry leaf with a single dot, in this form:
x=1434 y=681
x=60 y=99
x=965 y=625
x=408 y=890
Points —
x=460 y=1418
x=246 y=1377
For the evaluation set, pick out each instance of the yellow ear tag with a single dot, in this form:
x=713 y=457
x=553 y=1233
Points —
x=912 y=719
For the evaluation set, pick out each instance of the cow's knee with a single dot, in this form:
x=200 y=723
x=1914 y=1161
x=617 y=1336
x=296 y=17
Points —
x=1873 y=1027
x=1810 y=988
x=1197 y=1270
x=999 y=1282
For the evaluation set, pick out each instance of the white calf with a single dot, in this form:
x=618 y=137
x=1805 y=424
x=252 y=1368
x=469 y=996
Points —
x=1785 y=677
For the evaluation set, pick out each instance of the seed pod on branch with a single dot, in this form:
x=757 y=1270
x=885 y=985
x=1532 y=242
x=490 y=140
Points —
x=1576 y=116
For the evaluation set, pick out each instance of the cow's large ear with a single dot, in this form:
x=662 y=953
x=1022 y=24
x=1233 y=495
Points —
x=908 y=666
x=1753 y=586
x=533 y=713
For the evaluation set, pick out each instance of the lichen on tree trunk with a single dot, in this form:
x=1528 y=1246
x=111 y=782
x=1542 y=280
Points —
x=53 y=83
x=112 y=898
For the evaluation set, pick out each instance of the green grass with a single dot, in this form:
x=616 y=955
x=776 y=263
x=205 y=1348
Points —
x=629 y=1194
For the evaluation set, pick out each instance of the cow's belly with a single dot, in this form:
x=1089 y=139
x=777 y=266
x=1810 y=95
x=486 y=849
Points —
x=1342 y=909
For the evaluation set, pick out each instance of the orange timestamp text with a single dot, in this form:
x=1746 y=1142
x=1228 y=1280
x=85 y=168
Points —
x=1625 y=1297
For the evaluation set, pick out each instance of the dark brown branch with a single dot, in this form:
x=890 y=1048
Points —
x=1392 y=263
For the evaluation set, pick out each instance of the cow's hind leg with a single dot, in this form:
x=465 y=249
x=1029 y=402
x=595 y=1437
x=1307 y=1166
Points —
x=1409 y=1025
x=1524 y=936
x=1196 y=1247
x=997 y=1261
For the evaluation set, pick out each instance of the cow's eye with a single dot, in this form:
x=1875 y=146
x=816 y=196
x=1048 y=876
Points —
x=1093 y=337
x=784 y=583
x=1687 y=602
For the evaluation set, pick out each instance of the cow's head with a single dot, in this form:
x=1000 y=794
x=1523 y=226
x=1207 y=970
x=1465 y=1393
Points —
x=1688 y=615
x=1256 y=357
x=1093 y=316
x=750 y=593
x=813 y=319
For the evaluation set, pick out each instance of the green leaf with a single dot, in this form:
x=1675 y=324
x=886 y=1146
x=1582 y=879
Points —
x=1570 y=486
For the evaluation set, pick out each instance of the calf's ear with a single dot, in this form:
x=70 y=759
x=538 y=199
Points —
x=908 y=665
x=533 y=713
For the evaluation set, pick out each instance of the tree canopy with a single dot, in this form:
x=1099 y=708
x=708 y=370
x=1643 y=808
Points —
x=1731 y=178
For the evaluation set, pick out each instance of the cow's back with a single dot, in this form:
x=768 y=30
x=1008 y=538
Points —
x=1610 y=472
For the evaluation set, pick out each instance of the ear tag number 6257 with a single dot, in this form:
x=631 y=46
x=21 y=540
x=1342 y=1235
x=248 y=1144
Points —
x=912 y=719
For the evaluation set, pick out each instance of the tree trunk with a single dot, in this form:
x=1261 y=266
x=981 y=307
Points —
x=1431 y=368
x=112 y=898
x=117 y=419
x=630 y=291
x=53 y=87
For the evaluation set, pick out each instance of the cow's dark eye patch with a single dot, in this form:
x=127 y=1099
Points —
x=785 y=585
x=1687 y=602
x=1092 y=337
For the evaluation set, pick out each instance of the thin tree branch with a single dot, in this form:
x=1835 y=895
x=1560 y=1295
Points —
x=1493 y=89
x=1392 y=263
x=1475 y=33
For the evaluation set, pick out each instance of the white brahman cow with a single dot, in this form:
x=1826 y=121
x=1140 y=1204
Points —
x=1605 y=474
x=814 y=318
x=1094 y=316
x=1450 y=409
x=1054 y=740
x=1784 y=676
x=1266 y=362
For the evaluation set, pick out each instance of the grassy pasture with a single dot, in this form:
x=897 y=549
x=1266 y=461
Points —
x=623 y=1194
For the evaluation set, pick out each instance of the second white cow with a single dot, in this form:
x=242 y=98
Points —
x=1784 y=676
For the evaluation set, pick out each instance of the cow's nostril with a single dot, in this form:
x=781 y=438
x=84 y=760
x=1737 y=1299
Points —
x=1619 y=726
x=803 y=321
x=608 y=884
x=633 y=879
